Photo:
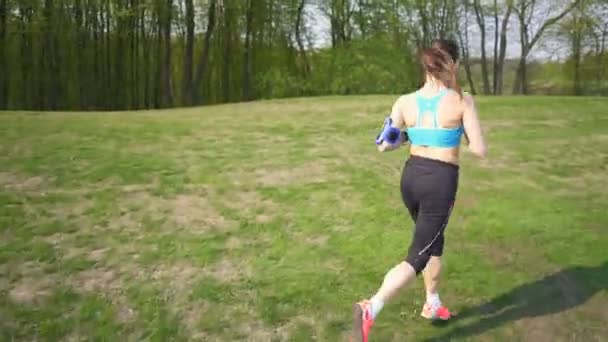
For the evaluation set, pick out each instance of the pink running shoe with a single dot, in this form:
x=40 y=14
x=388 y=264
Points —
x=362 y=321
x=433 y=313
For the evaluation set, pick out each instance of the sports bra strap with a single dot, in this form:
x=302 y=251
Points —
x=430 y=104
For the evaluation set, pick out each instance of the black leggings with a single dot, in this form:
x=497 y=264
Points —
x=428 y=189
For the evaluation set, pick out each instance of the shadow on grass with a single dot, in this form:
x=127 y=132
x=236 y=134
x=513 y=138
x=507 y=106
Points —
x=552 y=294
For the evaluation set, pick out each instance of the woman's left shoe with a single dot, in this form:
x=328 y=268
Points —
x=362 y=321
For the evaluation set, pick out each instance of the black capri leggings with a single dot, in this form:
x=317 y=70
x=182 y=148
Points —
x=428 y=189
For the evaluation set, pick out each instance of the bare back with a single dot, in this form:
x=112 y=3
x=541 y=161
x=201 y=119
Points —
x=453 y=112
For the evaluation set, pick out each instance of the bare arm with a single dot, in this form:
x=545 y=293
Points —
x=472 y=128
x=398 y=122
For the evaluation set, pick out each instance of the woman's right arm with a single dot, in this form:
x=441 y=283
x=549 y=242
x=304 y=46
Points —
x=472 y=128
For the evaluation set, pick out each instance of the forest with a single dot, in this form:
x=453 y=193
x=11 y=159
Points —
x=139 y=54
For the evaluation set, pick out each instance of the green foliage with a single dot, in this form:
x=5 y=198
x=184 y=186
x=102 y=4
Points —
x=115 y=54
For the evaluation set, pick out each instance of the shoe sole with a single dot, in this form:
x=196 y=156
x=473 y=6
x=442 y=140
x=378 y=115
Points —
x=357 y=335
x=434 y=319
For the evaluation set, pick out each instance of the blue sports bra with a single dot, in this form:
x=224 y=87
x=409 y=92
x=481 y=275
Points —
x=432 y=136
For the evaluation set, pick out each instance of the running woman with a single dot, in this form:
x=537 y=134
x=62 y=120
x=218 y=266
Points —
x=433 y=120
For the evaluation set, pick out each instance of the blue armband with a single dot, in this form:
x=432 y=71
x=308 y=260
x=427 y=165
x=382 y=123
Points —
x=389 y=133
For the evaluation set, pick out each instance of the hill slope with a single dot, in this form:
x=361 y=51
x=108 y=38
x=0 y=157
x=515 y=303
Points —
x=266 y=221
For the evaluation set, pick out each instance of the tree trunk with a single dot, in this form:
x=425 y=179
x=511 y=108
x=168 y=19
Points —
x=145 y=43
x=49 y=61
x=94 y=97
x=520 y=73
x=576 y=55
x=503 y=50
x=167 y=79
x=135 y=102
x=464 y=46
x=120 y=89
x=360 y=18
x=601 y=58
x=188 y=54
x=247 y=52
x=518 y=86
x=496 y=41
x=299 y=38
x=3 y=56
x=202 y=66
x=158 y=79
x=80 y=53
x=25 y=50
x=108 y=101
x=227 y=51
x=484 y=62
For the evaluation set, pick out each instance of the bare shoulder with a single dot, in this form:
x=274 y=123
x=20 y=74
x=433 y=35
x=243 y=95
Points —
x=402 y=103
x=406 y=101
x=403 y=99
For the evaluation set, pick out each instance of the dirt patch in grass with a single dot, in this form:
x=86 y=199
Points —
x=197 y=214
x=97 y=254
x=229 y=271
x=263 y=218
x=32 y=284
x=247 y=324
x=308 y=173
x=190 y=212
x=237 y=242
x=177 y=277
x=19 y=182
x=287 y=330
x=251 y=205
x=318 y=241
x=97 y=280
x=125 y=313
x=108 y=283
x=191 y=316
x=29 y=291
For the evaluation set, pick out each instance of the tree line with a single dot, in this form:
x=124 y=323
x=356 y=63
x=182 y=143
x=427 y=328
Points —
x=132 y=54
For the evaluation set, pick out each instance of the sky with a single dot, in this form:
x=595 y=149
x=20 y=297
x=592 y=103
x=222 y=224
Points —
x=548 y=48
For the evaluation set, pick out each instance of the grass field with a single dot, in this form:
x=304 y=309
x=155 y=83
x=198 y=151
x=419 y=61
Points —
x=265 y=221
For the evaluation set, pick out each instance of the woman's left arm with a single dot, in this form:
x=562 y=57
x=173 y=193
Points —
x=398 y=123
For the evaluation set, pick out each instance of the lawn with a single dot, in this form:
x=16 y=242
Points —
x=265 y=221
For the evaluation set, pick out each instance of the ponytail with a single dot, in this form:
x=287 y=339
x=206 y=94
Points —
x=439 y=61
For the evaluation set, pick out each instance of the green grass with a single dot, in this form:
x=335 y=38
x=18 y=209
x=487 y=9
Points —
x=265 y=221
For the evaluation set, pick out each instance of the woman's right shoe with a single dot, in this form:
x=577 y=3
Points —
x=435 y=312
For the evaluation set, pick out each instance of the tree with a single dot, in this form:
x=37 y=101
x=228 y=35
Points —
x=463 y=38
x=3 y=55
x=576 y=28
x=188 y=54
x=480 y=16
x=246 y=94
x=204 y=59
x=525 y=11
x=340 y=13
x=298 y=29
x=166 y=23
x=500 y=48
x=227 y=47
x=433 y=19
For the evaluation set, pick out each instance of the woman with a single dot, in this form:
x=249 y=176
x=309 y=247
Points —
x=434 y=117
